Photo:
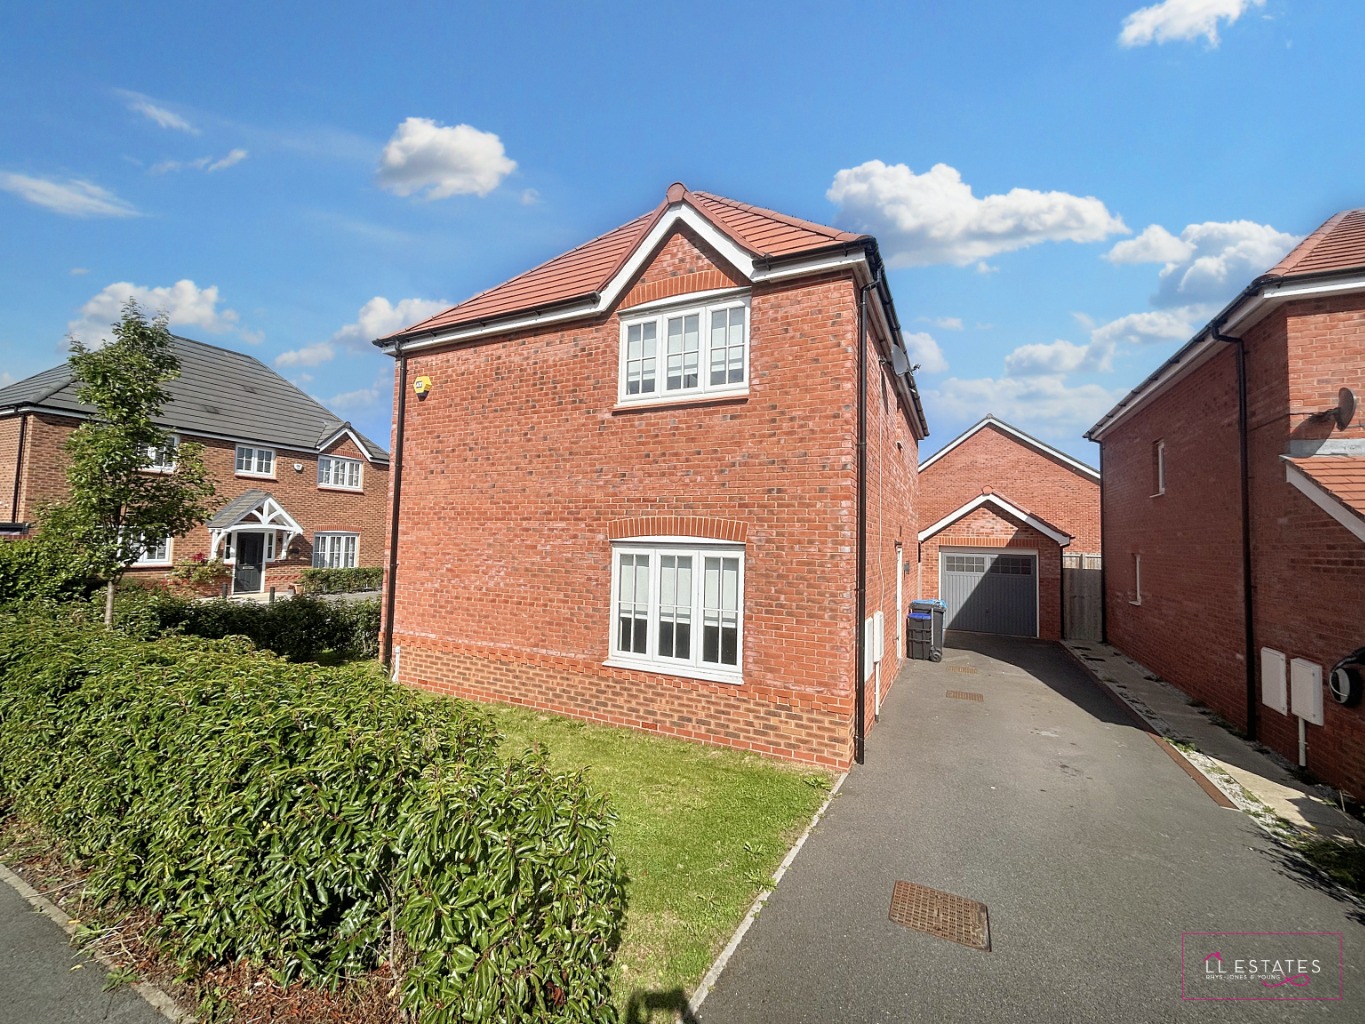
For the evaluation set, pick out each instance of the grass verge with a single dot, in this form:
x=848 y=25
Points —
x=701 y=831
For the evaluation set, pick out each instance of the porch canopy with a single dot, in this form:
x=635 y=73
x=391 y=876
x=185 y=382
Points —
x=255 y=511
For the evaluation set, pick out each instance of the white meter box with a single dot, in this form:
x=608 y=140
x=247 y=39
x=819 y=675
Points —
x=1305 y=690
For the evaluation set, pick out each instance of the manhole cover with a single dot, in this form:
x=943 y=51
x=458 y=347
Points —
x=965 y=695
x=941 y=914
x=966 y=670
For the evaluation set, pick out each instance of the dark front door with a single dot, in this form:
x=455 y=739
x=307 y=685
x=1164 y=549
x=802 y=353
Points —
x=250 y=571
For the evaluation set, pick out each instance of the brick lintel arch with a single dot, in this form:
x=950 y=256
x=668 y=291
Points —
x=711 y=528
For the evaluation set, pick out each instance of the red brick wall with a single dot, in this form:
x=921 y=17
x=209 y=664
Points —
x=518 y=463
x=987 y=527
x=9 y=468
x=1307 y=568
x=1037 y=483
x=314 y=508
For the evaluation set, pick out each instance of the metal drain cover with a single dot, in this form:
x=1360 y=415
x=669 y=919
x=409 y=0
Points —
x=965 y=695
x=942 y=915
x=966 y=670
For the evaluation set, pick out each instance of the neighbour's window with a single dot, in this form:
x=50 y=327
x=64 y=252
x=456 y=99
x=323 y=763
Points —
x=157 y=552
x=255 y=461
x=1158 y=468
x=678 y=608
x=965 y=563
x=335 y=550
x=697 y=350
x=160 y=458
x=338 y=472
x=1012 y=565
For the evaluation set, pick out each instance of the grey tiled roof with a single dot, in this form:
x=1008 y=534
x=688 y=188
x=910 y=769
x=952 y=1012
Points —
x=219 y=392
x=239 y=506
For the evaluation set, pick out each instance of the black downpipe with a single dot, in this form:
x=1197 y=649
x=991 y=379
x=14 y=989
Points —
x=1248 y=600
x=18 y=470
x=391 y=580
x=1104 y=558
x=860 y=573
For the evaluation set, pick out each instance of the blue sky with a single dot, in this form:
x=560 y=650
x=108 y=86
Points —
x=1065 y=190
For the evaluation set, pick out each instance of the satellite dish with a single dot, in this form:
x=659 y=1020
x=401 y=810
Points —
x=1346 y=407
x=900 y=362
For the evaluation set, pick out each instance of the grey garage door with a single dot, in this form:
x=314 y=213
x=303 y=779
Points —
x=990 y=592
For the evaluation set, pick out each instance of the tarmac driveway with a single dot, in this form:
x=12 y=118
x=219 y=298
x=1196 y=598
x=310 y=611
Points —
x=1091 y=848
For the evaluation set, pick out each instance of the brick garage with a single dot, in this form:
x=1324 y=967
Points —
x=1173 y=512
x=993 y=490
x=33 y=431
x=529 y=472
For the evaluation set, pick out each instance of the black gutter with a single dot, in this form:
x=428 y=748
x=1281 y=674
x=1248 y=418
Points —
x=396 y=467
x=18 y=469
x=1248 y=599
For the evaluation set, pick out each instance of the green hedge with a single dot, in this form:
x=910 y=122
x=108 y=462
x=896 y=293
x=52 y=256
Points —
x=299 y=628
x=340 y=581
x=37 y=569
x=320 y=821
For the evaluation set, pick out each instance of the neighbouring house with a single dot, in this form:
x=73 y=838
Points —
x=628 y=484
x=296 y=486
x=997 y=509
x=1234 y=528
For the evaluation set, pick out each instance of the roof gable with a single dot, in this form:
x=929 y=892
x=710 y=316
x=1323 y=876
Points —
x=219 y=393
x=1017 y=435
x=1339 y=244
x=591 y=278
x=998 y=503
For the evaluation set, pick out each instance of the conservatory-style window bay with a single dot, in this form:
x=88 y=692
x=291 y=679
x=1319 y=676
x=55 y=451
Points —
x=679 y=609
x=697 y=350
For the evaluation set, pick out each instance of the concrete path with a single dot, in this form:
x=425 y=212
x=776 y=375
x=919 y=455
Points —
x=43 y=980
x=1091 y=847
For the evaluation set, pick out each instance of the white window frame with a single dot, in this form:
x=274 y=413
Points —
x=143 y=561
x=660 y=317
x=651 y=660
x=1160 y=447
x=156 y=461
x=328 y=466
x=1137 y=579
x=255 y=461
x=329 y=540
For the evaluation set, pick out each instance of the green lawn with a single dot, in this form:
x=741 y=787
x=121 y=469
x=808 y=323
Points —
x=701 y=830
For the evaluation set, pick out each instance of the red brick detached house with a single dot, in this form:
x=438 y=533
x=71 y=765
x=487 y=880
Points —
x=628 y=484
x=296 y=486
x=1188 y=525
x=997 y=508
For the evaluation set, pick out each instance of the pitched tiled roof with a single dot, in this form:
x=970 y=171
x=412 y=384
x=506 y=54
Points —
x=219 y=392
x=1338 y=245
x=1341 y=476
x=585 y=271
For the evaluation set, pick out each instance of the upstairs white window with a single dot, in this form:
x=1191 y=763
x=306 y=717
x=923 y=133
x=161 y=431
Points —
x=160 y=459
x=335 y=550
x=255 y=461
x=678 y=608
x=1158 y=468
x=337 y=472
x=155 y=552
x=695 y=350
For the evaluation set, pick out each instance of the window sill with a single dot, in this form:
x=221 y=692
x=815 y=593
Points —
x=157 y=470
x=1158 y=494
x=665 y=402
x=681 y=671
x=1137 y=603
x=343 y=490
x=255 y=476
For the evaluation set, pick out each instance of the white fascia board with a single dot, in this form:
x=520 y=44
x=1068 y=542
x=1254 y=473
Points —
x=1019 y=436
x=322 y=448
x=1000 y=503
x=816 y=265
x=1250 y=312
x=1324 y=500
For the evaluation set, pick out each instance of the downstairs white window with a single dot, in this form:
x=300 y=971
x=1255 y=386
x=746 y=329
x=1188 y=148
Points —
x=678 y=607
x=155 y=552
x=335 y=550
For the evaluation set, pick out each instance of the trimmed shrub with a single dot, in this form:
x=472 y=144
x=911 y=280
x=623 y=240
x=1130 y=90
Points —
x=340 y=581
x=319 y=821
x=40 y=569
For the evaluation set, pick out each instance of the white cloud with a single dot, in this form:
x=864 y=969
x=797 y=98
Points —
x=1159 y=325
x=933 y=217
x=1209 y=261
x=442 y=160
x=73 y=197
x=157 y=114
x=185 y=303
x=1047 y=400
x=205 y=163
x=1154 y=245
x=947 y=323
x=1181 y=20
x=379 y=317
x=309 y=355
x=5 y=379
x=1055 y=358
x=78 y=271
x=362 y=399
x=529 y=197
x=924 y=352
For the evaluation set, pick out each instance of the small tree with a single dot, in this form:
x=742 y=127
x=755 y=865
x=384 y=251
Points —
x=117 y=507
